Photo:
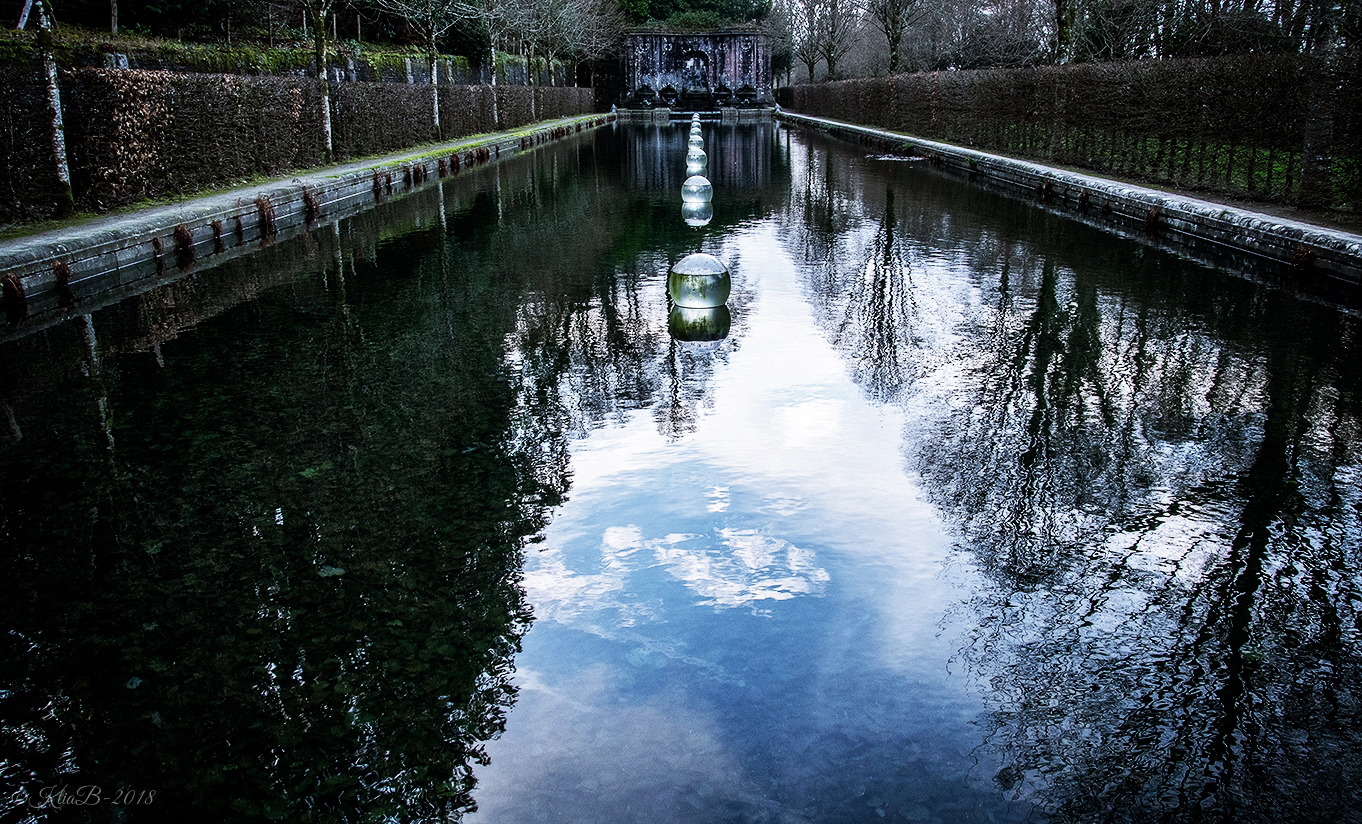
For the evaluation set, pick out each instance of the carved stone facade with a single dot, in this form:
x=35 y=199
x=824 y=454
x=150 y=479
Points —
x=697 y=70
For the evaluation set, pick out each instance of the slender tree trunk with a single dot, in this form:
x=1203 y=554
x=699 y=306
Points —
x=1063 y=15
x=113 y=16
x=435 y=87
x=530 y=79
x=496 y=115
x=893 y=22
x=323 y=77
x=64 y=200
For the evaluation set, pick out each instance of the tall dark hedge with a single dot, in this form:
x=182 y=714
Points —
x=1235 y=124
x=134 y=135
x=28 y=185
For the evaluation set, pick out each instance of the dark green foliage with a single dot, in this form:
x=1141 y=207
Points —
x=705 y=14
x=635 y=11
x=694 y=21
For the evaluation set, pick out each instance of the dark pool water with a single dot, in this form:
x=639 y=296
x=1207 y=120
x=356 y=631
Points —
x=976 y=514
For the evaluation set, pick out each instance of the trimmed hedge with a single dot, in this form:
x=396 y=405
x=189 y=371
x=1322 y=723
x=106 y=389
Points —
x=1237 y=124
x=133 y=135
x=28 y=186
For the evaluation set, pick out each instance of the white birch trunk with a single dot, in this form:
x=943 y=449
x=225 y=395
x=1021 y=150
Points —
x=323 y=77
x=56 y=126
x=496 y=116
x=435 y=89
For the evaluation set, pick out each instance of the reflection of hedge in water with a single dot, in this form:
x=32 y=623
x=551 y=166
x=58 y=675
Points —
x=133 y=135
x=1235 y=124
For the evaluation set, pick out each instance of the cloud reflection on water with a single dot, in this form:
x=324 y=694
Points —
x=727 y=569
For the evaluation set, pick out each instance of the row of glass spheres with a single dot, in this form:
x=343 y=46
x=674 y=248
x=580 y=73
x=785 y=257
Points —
x=698 y=284
x=696 y=192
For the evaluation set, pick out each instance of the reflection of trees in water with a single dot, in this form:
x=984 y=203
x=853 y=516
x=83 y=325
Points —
x=593 y=346
x=870 y=303
x=601 y=349
x=858 y=255
x=1169 y=510
x=594 y=359
x=292 y=588
x=1051 y=429
x=1156 y=469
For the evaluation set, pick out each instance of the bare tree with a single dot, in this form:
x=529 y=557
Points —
x=892 y=18
x=779 y=27
x=501 y=19
x=318 y=11
x=804 y=44
x=65 y=201
x=543 y=30
x=432 y=19
x=839 y=21
x=594 y=28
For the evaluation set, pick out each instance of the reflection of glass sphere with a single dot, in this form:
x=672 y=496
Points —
x=699 y=281
x=696 y=142
x=696 y=161
x=708 y=324
x=697 y=189
x=697 y=214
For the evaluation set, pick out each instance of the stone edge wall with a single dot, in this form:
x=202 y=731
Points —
x=1173 y=219
x=1273 y=127
x=124 y=256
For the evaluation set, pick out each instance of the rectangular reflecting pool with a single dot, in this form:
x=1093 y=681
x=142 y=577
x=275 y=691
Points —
x=955 y=510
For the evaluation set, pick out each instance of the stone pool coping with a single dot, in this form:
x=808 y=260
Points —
x=120 y=250
x=1171 y=217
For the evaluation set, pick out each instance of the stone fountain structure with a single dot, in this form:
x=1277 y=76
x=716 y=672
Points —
x=721 y=70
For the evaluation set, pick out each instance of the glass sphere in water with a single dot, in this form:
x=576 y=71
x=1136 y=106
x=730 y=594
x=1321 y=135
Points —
x=696 y=142
x=696 y=161
x=696 y=284
x=699 y=263
x=697 y=189
x=697 y=214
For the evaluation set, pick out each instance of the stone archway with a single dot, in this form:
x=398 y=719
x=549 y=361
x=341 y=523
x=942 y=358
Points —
x=695 y=71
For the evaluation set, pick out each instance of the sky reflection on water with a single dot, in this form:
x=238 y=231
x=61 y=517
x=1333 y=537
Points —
x=975 y=514
x=1050 y=478
x=744 y=622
